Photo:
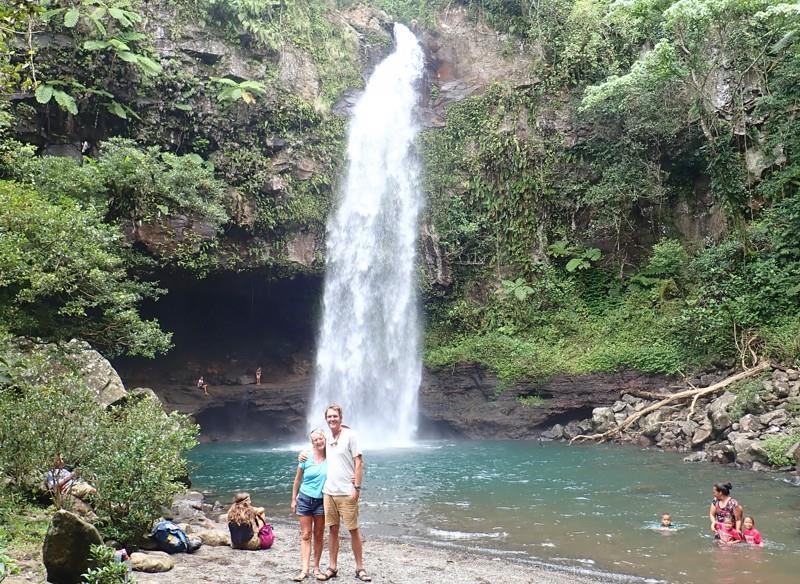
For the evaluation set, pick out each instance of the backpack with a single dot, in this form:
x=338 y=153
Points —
x=171 y=538
x=266 y=536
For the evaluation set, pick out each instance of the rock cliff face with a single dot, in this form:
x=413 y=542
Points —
x=461 y=403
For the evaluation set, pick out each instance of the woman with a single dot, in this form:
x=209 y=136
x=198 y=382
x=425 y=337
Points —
x=244 y=521
x=307 y=503
x=724 y=506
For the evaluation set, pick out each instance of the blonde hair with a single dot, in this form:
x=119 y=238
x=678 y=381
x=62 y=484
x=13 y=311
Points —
x=241 y=512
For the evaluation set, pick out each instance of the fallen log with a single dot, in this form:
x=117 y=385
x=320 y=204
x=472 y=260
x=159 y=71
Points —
x=694 y=393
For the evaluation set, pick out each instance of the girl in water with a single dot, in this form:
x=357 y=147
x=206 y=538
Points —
x=728 y=533
x=724 y=506
x=307 y=503
x=750 y=533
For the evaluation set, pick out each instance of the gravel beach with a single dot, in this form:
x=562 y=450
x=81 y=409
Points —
x=387 y=561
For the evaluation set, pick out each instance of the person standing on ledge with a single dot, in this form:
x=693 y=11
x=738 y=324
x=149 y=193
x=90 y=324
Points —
x=342 y=490
x=258 y=376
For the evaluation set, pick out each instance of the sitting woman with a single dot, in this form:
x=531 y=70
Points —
x=244 y=522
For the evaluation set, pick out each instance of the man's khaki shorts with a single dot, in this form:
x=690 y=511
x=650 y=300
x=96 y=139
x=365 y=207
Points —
x=341 y=509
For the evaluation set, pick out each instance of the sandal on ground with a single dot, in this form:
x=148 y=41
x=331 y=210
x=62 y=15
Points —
x=328 y=574
x=362 y=575
x=300 y=577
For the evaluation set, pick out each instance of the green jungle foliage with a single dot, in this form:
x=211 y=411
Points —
x=131 y=453
x=559 y=205
x=62 y=275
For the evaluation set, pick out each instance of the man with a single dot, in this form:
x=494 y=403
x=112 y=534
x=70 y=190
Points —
x=342 y=490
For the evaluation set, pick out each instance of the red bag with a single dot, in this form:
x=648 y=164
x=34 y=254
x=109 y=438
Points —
x=266 y=536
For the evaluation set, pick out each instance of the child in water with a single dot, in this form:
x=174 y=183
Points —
x=666 y=521
x=728 y=534
x=749 y=531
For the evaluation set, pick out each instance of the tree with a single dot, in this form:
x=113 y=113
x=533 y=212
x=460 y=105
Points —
x=62 y=276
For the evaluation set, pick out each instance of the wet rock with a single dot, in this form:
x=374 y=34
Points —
x=152 y=562
x=759 y=467
x=301 y=248
x=65 y=553
x=699 y=456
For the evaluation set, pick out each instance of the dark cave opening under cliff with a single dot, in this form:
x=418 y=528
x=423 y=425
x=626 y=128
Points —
x=227 y=325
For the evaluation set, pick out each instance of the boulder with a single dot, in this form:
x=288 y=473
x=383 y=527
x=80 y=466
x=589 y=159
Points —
x=65 y=553
x=152 y=562
x=603 y=419
x=188 y=507
x=718 y=411
x=651 y=424
x=699 y=456
x=688 y=428
x=792 y=374
x=557 y=432
x=794 y=453
x=700 y=436
x=571 y=430
x=97 y=372
x=777 y=417
x=212 y=537
x=618 y=407
x=750 y=423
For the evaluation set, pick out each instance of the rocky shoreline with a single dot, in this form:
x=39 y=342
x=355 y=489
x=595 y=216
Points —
x=754 y=423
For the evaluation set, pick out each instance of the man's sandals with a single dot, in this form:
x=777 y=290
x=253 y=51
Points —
x=362 y=575
x=328 y=574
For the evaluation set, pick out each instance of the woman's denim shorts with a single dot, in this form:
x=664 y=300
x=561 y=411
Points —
x=308 y=506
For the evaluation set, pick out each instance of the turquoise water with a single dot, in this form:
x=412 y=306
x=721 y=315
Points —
x=593 y=507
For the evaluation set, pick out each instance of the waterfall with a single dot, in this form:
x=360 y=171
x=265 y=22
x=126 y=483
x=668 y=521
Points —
x=368 y=357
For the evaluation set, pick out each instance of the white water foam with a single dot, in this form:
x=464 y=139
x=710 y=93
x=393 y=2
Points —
x=368 y=358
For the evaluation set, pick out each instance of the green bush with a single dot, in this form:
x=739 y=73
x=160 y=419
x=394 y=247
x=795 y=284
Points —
x=132 y=453
x=747 y=393
x=107 y=570
x=776 y=447
x=137 y=469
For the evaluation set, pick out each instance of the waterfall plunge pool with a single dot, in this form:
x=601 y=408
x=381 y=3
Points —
x=592 y=507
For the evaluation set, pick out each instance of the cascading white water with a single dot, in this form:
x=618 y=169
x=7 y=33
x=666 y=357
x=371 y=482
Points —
x=368 y=358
